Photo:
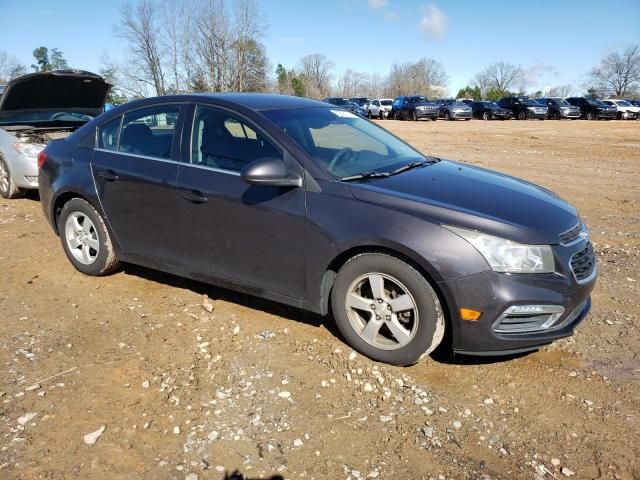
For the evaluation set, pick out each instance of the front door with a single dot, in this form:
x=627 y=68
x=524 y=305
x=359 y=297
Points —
x=135 y=169
x=247 y=234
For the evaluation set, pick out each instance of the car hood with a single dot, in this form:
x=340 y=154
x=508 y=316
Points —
x=61 y=90
x=457 y=194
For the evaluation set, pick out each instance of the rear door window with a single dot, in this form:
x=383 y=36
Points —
x=149 y=131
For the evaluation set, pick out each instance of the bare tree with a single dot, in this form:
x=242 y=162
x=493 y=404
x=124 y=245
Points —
x=315 y=71
x=562 y=91
x=425 y=77
x=10 y=67
x=498 y=76
x=352 y=83
x=139 y=26
x=618 y=72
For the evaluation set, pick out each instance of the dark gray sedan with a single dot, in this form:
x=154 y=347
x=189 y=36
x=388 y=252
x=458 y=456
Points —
x=308 y=204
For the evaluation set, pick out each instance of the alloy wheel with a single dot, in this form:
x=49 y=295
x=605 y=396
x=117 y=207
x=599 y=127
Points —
x=4 y=177
x=82 y=238
x=382 y=311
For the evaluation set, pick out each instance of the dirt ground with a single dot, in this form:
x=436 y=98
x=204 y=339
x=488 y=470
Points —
x=185 y=393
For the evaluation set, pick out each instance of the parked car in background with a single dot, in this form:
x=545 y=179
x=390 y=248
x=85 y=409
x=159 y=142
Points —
x=345 y=103
x=524 y=108
x=634 y=102
x=379 y=108
x=36 y=108
x=490 y=111
x=413 y=107
x=361 y=101
x=625 y=110
x=403 y=245
x=560 y=108
x=452 y=109
x=592 y=108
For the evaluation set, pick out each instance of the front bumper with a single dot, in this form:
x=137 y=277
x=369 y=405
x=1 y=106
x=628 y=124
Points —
x=496 y=294
x=605 y=115
x=24 y=170
x=537 y=115
x=427 y=114
x=570 y=114
x=461 y=114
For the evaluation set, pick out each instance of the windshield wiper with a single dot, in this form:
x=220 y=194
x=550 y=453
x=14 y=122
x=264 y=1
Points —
x=404 y=168
x=410 y=165
x=370 y=174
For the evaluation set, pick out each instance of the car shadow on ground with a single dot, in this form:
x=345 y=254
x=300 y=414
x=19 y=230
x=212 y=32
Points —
x=444 y=354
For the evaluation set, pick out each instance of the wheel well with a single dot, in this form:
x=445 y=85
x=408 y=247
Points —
x=344 y=257
x=59 y=204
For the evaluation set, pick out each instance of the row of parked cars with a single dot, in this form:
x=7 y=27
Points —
x=416 y=107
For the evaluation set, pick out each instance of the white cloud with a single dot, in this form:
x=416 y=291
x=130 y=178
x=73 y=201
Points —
x=538 y=72
x=376 y=4
x=391 y=15
x=433 y=23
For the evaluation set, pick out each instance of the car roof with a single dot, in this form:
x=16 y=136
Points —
x=254 y=101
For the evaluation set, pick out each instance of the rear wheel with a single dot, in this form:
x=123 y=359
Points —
x=8 y=189
x=381 y=115
x=386 y=309
x=522 y=115
x=85 y=238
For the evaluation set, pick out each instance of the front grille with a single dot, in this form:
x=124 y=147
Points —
x=571 y=235
x=583 y=263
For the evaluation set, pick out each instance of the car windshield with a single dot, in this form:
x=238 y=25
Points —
x=341 y=101
x=386 y=102
x=47 y=117
x=417 y=100
x=623 y=103
x=530 y=101
x=491 y=104
x=595 y=102
x=343 y=143
x=560 y=101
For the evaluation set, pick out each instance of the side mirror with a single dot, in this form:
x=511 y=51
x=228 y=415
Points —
x=272 y=172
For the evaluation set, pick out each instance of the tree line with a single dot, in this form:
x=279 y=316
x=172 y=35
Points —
x=180 y=46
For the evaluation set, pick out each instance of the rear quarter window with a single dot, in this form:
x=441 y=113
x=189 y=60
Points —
x=109 y=134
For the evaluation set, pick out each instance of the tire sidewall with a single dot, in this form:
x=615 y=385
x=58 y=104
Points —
x=430 y=316
x=100 y=264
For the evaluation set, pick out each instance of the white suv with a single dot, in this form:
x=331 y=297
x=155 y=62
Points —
x=379 y=108
x=626 y=110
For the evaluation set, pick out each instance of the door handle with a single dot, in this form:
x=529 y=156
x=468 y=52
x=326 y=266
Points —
x=108 y=175
x=194 y=197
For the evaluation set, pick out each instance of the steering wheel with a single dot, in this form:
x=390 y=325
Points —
x=342 y=154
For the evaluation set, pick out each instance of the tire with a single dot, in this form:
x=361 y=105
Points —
x=467 y=119
x=433 y=119
x=380 y=115
x=8 y=188
x=589 y=116
x=447 y=116
x=412 y=116
x=522 y=115
x=369 y=114
x=486 y=116
x=418 y=323
x=556 y=115
x=93 y=253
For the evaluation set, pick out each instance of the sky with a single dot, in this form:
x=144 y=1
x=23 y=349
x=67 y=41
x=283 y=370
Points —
x=556 y=41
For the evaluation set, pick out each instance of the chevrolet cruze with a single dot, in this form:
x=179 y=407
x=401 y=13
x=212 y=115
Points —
x=307 y=204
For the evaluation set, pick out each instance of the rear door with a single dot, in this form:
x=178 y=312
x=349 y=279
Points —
x=250 y=235
x=135 y=169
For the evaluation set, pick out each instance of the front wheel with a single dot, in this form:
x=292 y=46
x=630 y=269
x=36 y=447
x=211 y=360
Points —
x=590 y=116
x=386 y=309
x=85 y=238
x=8 y=188
x=413 y=115
x=369 y=114
x=522 y=115
x=486 y=116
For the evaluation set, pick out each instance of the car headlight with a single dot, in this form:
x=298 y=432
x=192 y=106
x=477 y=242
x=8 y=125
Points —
x=30 y=150
x=504 y=255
